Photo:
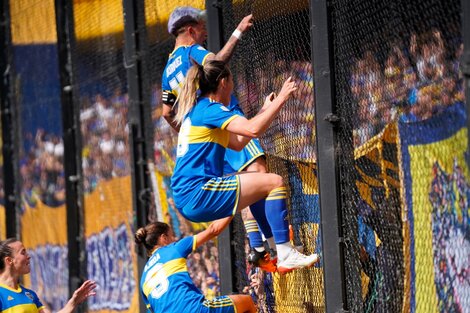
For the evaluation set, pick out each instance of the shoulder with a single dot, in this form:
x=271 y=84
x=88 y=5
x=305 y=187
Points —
x=28 y=292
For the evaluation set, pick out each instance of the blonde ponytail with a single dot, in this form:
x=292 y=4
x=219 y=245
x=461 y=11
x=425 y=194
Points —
x=205 y=78
x=188 y=95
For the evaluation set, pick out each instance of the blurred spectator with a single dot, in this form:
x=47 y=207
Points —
x=414 y=84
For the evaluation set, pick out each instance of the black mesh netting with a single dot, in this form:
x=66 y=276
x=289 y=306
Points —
x=36 y=93
x=101 y=91
x=278 y=46
x=402 y=143
x=203 y=264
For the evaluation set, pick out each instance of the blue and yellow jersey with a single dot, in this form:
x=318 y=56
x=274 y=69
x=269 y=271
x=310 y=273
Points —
x=202 y=141
x=234 y=105
x=179 y=62
x=166 y=285
x=21 y=300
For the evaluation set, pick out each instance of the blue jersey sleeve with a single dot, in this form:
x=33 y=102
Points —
x=185 y=246
x=36 y=300
x=218 y=115
x=146 y=302
x=234 y=105
x=199 y=54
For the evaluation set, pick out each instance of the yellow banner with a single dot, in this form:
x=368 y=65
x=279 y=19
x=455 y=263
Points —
x=44 y=234
x=111 y=257
x=33 y=21
x=3 y=225
x=424 y=158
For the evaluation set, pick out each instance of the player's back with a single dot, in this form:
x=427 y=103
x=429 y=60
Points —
x=166 y=284
x=179 y=62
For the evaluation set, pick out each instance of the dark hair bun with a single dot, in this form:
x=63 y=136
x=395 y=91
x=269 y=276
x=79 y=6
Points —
x=140 y=235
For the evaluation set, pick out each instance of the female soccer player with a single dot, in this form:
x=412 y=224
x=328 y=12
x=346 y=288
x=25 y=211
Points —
x=14 y=262
x=188 y=25
x=166 y=285
x=208 y=127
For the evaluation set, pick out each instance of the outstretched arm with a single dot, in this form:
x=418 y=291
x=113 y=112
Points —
x=86 y=290
x=227 y=51
x=243 y=130
x=214 y=229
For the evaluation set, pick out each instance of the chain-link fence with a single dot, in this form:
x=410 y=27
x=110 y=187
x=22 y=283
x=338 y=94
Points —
x=101 y=86
x=278 y=46
x=41 y=151
x=203 y=264
x=404 y=178
x=402 y=148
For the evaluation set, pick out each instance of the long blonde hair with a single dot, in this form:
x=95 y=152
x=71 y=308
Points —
x=206 y=78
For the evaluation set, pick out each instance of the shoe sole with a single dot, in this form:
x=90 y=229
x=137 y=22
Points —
x=285 y=270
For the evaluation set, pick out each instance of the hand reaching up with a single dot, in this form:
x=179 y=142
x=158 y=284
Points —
x=246 y=23
x=86 y=290
x=287 y=89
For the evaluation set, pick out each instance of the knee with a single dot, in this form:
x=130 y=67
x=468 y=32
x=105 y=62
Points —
x=276 y=181
x=259 y=165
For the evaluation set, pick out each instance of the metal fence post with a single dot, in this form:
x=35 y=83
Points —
x=135 y=44
x=72 y=147
x=9 y=125
x=215 y=42
x=322 y=56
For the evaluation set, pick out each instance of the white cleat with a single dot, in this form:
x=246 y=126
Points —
x=296 y=260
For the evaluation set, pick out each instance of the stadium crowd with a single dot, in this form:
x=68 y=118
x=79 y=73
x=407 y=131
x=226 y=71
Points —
x=414 y=83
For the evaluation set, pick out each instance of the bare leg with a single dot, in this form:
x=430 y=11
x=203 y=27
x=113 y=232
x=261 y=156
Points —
x=256 y=186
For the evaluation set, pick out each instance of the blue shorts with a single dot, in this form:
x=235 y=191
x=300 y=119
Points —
x=222 y=304
x=237 y=161
x=213 y=200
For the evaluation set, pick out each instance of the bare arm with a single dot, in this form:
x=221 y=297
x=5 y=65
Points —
x=256 y=126
x=214 y=229
x=169 y=115
x=227 y=51
x=86 y=290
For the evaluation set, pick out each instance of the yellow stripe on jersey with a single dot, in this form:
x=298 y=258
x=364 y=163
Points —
x=169 y=268
x=231 y=183
x=219 y=188
x=200 y=134
x=254 y=147
x=228 y=121
x=238 y=198
x=23 y=308
x=11 y=289
x=251 y=148
x=194 y=243
x=213 y=185
x=204 y=60
x=176 y=48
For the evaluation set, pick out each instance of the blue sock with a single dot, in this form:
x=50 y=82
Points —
x=259 y=212
x=276 y=209
x=254 y=236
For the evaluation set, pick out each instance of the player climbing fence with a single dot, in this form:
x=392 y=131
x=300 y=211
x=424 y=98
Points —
x=395 y=136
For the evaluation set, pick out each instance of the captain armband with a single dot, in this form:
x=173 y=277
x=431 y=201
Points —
x=168 y=98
